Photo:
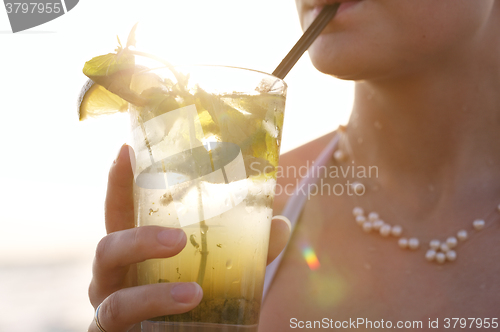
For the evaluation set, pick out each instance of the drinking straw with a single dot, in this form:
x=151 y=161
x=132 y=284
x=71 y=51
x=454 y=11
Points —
x=326 y=14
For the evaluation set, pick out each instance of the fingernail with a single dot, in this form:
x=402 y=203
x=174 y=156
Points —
x=170 y=237
x=185 y=292
x=131 y=154
x=120 y=153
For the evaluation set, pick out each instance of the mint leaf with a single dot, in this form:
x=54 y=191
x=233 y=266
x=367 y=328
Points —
x=114 y=72
x=107 y=65
x=131 y=36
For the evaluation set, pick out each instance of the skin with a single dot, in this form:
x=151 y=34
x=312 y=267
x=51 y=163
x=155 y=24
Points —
x=113 y=285
x=427 y=114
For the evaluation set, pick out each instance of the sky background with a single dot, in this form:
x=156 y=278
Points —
x=53 y=169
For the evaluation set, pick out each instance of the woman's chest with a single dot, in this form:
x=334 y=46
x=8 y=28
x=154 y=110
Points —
x=333 y=272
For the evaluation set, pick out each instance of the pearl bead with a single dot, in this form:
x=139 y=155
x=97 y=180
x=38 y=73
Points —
x=358 y=188
x=434 y=244
x=413 y=243
x=440 y=257
x=367 y=226
x=451 y=255
x=430 y=255
x=357 y=211
x=377 y=224
x=339 y=155
x=372 y=216
x=396 y=230
x=360 y=220
x=438 y=251
x=444 y=247
x=478 y=224
x=462 y=235
x=385 y=230
x=451 y=242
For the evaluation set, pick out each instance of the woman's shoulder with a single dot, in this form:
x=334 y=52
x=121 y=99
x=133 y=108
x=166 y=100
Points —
x=292 y=166
x=309 y=151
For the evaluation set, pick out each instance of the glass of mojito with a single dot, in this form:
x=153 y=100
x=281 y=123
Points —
x=206 y=142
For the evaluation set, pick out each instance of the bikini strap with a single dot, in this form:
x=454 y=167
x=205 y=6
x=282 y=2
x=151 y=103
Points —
x=296 y=202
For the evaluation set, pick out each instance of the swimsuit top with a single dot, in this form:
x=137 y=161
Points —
x=296 y=202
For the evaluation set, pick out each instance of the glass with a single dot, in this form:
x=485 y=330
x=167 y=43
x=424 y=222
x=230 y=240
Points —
x=206 y=142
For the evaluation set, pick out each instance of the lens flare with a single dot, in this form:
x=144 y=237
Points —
x=311 y=258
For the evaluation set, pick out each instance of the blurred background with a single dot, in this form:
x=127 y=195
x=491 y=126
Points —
x=53 y=169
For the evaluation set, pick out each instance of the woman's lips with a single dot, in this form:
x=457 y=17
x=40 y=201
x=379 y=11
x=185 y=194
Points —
x=344 y=6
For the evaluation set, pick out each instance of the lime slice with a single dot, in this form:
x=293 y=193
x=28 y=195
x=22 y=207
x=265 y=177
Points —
x=95 y=100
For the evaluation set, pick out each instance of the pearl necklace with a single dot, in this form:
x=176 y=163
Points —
x=439 y=251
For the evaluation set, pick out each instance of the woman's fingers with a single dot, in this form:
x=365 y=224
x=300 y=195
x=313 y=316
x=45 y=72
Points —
x=280 y=233
x=119 y=206
x=118 y=250
x=127 y=307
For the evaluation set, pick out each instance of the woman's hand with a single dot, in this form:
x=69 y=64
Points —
x=122 y=303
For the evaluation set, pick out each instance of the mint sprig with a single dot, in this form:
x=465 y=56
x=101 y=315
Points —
x=114 y=71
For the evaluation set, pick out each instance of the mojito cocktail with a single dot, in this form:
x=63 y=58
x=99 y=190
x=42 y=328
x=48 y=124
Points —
x=206 y=150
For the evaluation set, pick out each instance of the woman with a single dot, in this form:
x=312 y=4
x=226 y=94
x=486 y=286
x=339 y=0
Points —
x=426 y=116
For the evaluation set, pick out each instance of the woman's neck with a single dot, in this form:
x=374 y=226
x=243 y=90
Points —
x=430 y=132
x=438 y=122
x=429 y=124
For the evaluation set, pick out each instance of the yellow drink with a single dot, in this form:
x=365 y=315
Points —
x=205 y=162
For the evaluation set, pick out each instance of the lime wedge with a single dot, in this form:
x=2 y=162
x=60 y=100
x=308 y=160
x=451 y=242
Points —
x=95 y=100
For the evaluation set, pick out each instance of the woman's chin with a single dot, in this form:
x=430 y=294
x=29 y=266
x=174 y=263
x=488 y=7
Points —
x=335 y=66
x=349 y=63
x=331 y=59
